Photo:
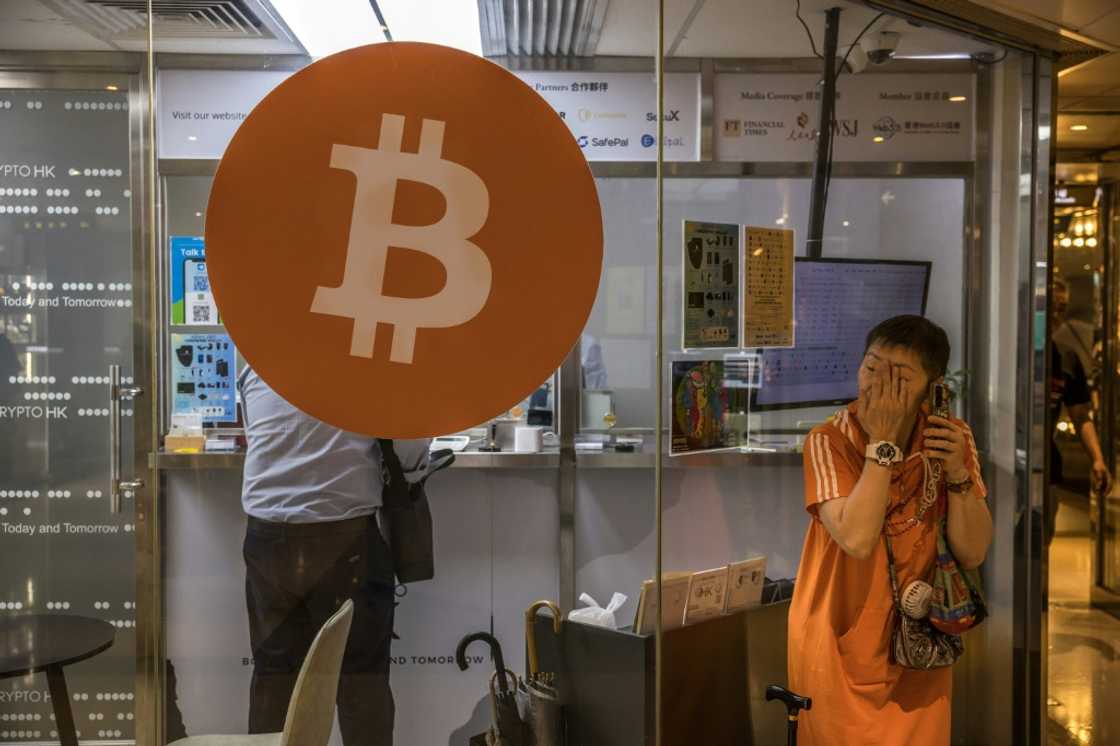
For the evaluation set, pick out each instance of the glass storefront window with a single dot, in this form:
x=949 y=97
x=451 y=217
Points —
x=932 y=194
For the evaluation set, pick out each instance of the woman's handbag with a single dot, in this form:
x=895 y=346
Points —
x=958 y=602
x=915 y=643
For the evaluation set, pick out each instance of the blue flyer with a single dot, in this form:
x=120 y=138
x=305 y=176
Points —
x=203 y=372
x=192 y=302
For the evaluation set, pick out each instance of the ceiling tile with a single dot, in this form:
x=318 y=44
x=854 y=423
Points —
x=758 y=29
x=1106 y=103
x=1103 y=132
x=1093 y=78
x=1106 y=29
x=28 y=25
x=1071 y=14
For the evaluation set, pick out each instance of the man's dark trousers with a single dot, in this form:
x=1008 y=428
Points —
x=297 y=576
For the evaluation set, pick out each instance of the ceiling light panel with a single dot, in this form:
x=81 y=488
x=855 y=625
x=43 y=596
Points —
x=452 y=23
x=326 y=28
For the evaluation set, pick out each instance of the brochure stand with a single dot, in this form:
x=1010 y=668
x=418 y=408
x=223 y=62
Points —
x=715 y=679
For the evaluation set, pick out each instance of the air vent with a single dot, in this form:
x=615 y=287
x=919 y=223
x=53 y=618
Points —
x=541 y=28
x=126 y=20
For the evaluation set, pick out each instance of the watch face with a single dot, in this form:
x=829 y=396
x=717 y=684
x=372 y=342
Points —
x=885 y=452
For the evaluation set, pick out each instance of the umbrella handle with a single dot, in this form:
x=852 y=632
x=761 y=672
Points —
x=489 y=639
x=509 y=675
x=494 y=678
x=531 y=632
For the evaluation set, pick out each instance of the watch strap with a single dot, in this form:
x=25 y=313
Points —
x=964 y=485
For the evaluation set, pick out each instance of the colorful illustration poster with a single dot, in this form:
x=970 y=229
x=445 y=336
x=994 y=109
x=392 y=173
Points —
x=709 y=411
x=203 y=373
x=192 y=302
x=711 y=285
x=768 y=289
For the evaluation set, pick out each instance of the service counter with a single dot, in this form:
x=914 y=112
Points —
x=546 y=459
x=501 y=533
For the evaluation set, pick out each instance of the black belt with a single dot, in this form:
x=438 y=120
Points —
x=274 y=528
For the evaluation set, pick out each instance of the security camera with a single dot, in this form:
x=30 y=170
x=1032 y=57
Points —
x=880 y=46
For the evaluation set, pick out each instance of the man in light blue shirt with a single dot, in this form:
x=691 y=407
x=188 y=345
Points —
x=311 y=492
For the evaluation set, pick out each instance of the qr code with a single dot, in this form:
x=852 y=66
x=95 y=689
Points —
x=201 y=283
x=201 y=315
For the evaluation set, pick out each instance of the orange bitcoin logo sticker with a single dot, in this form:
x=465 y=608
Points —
x=404 y=240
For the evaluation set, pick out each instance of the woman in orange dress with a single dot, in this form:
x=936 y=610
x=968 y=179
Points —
x=865 y=472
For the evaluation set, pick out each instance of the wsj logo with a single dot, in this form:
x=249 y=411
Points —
x=673 y=115
x=886 y=126
x=372 y=232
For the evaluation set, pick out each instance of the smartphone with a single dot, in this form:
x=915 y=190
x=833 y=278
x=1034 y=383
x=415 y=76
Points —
x=199 y=301
x=939 y=398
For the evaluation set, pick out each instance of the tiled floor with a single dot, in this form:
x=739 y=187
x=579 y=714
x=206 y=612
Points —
x=1084 y=662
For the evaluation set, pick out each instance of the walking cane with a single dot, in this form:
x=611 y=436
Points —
x=794 y=704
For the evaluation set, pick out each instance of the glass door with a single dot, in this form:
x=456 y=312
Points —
x=72 y=305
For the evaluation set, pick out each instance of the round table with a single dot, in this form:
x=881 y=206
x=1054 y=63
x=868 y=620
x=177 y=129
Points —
x=33 y=643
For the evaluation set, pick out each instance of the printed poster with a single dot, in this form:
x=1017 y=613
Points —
x=711 y=285
x=706 y=595
x=709 y=411
x=768 y=289
x=744 y=585
x=192 y=302
x=203 y=372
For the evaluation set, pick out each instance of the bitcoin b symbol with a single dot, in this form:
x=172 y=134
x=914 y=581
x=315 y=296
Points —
x=372 y=231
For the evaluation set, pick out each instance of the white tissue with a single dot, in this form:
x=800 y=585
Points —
x=596 y=615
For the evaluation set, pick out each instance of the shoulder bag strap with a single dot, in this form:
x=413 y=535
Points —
x=390 y=460
x=894 y=576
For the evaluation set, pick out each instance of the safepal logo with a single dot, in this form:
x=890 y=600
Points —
x=886 y=126
x=648 y=141
x=603 y=142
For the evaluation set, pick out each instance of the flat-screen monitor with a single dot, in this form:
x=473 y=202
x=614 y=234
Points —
x=837 y=302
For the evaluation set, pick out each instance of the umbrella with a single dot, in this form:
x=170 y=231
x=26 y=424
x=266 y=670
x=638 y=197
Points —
x=544 y=713
x=531 y=638
x=794 y=704
x=506 y=729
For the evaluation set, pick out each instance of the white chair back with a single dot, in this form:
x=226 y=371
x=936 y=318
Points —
x=311 y=709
